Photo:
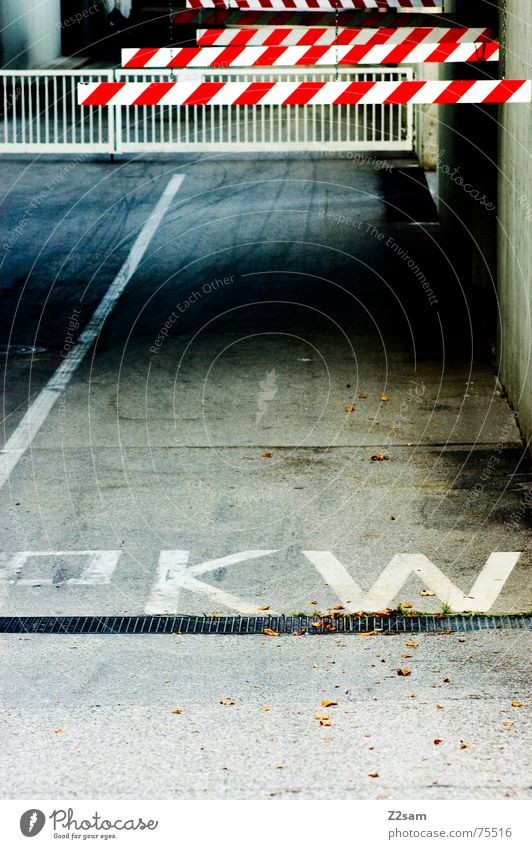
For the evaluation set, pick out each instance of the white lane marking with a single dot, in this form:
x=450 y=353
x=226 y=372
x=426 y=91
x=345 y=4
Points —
x=24 y=434
x=98 y=571
x=483 y=594
x=173 y=576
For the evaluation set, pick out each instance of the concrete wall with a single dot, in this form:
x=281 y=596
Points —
x=487 y=228
x=30 y=33
x=515 y=222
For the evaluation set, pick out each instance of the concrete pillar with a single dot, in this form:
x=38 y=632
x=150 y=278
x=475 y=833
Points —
x=30 y=33
x=515 y=221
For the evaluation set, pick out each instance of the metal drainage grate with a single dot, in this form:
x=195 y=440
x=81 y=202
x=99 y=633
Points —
x=256 y=624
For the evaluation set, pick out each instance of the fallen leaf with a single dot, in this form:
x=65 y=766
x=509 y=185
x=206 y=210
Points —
x=426 y=593
x=437 y=741
x=313 y=601
x=265 y=708
x=351 y=408
x=266 y=455
x=337 y=607
x=407 y=656
x=508 y=724
x=411 y=695
x=373 y=774
x=328 y=703
x=58 y=731
x=362 y=395
x=446 y=680
x=315 y=666
x=464 y=745
x=264 y=607
x=412 y=644
x=328 y=627
x=318 y=624
x=404 y=672
x=391 y=518
x=407 y=605
x=320 y=715
x=516 y=703
x=270 y=633
x=279 y=766
x=379 y=457
x=384 y=398
x=385 y=612
x=177 y=711
x=299 y=633
x=368 y=633
x=445 y=633
x=326 y=722
x=226 y=702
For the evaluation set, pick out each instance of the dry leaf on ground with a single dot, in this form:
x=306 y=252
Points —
x=270 y=633
x=350 y=408
x=264 y=607
x=299 y=633
x=373 y=774
x=226 y=702
x=266 y=455
x=426 y=593
x=464 y=745
x=328 y=703
x=368 y=633
x=437 y=741
x=404 y=672
x=379 y=457
x=407 y=605
x=384 y=398
x=516 y=703
x=177 y=711
x=412 y=644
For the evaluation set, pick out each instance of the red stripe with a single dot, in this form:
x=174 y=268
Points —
x=226 y=57
x=141 y=57
x=303 y=93
x=346 y=36
x=253 y=94
x=354 y=55
x=275 y=37
x=102 y=94
x=313 y=54
x=486 y=50
x=454 y=91
x=311 y=36
x=454 y=34
x=354 y=92
x=270 y=55
x=209 y=37
x=152 y=94
x=405 y=91
x=183 y=56
x=203 y=94
x=399 y=53
x=442 y=52
x=504 y=91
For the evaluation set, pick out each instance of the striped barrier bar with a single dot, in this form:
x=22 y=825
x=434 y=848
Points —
x=189 y=92
x=303 y=36
x=316 y=55
x=319 y=17
x=309 y=5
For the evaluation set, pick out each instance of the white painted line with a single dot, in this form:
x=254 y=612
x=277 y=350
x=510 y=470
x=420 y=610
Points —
x=97 y=572
x=391 y=581
x=173 y=576
x=23 y=436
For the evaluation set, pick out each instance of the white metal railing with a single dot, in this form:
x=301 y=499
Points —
x=40 y=114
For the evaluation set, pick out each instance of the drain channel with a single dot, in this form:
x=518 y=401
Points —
x=241 y=625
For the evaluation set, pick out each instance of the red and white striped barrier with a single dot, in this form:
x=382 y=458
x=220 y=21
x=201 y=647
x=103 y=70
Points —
x=189 y=93
x=309 y=18
x=309 y=5
x=315 y=56
x=303 y=36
